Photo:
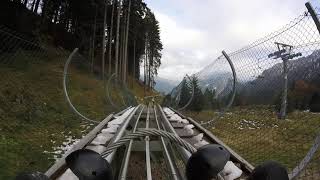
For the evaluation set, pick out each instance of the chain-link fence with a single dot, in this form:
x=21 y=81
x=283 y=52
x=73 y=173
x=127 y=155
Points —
x=275 y=112
x=37 y=123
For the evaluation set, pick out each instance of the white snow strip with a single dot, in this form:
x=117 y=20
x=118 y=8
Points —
x=231 y=171
x=102 y=138
x=198 y=137
x=189 y=126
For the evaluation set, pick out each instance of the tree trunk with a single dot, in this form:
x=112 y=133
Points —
x=117 y=38
x=104 y=40
x=145 y=69
x=149 y=71
x=110 y=38
x=33 y=5
x=123 y=47
x=35 y=10
x=25 y=2
x=134 y=60
x=55 y=19
x=93 y=40
x=126 y=43
x=120 y=51
x=90 y=52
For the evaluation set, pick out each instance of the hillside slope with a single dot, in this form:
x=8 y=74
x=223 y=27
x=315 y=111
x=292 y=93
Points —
x=35 y=119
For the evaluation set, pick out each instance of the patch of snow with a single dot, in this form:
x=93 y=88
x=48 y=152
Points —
x=198 y=137
x=231 y=171
x=58 y=151
x=200 y=144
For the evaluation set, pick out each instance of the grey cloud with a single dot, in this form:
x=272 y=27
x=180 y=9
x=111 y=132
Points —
x=194 y=32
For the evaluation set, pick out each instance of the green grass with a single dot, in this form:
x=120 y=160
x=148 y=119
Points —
x=33 y=110
x=256 y=134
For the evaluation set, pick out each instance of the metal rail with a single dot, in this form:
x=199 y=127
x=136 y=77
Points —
x=172 y=167
x=147 y=139
x=168 y=154
x=57 y=169
x=245 y=165
x=183 y=152
x=121 y=131
x=124 y=166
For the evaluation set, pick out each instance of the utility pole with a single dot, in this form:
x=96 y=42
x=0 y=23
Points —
x=285 y=53
x=104 y=39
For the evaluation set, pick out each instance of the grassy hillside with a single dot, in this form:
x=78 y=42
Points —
x=34 y=117
x=257 y=135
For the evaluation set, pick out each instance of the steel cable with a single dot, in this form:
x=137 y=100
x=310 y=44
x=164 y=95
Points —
x=141 y=133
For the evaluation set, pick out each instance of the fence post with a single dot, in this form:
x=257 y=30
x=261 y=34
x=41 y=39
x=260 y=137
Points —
x=313 y=15
x=234 y=79
x=284 y=104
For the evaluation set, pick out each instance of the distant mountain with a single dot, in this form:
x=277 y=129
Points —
x=219 y=80
x=165 y=85
x=214 y=79
x=270 y=82
x=267 y=85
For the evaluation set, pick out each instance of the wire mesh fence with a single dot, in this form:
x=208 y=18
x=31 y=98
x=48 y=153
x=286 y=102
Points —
x=37 y=124
x=275 y=113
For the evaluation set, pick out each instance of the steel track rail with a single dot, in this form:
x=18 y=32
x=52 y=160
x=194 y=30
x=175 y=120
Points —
x=60 y=166
x=125 y=163
x=171 y=164
x=168 y=127
x=147 y=139
x=245 y=165
x=121 y=132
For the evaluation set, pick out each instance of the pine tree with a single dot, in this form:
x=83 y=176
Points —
x=208 y=98
x=167 y=101
x=315 y=103
x=185 y=93
x=198 y=102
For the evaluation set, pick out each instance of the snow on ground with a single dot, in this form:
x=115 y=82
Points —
x=69 y=141
x=251 y=124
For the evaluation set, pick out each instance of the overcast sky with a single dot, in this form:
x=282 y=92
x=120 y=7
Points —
x=194 y=32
